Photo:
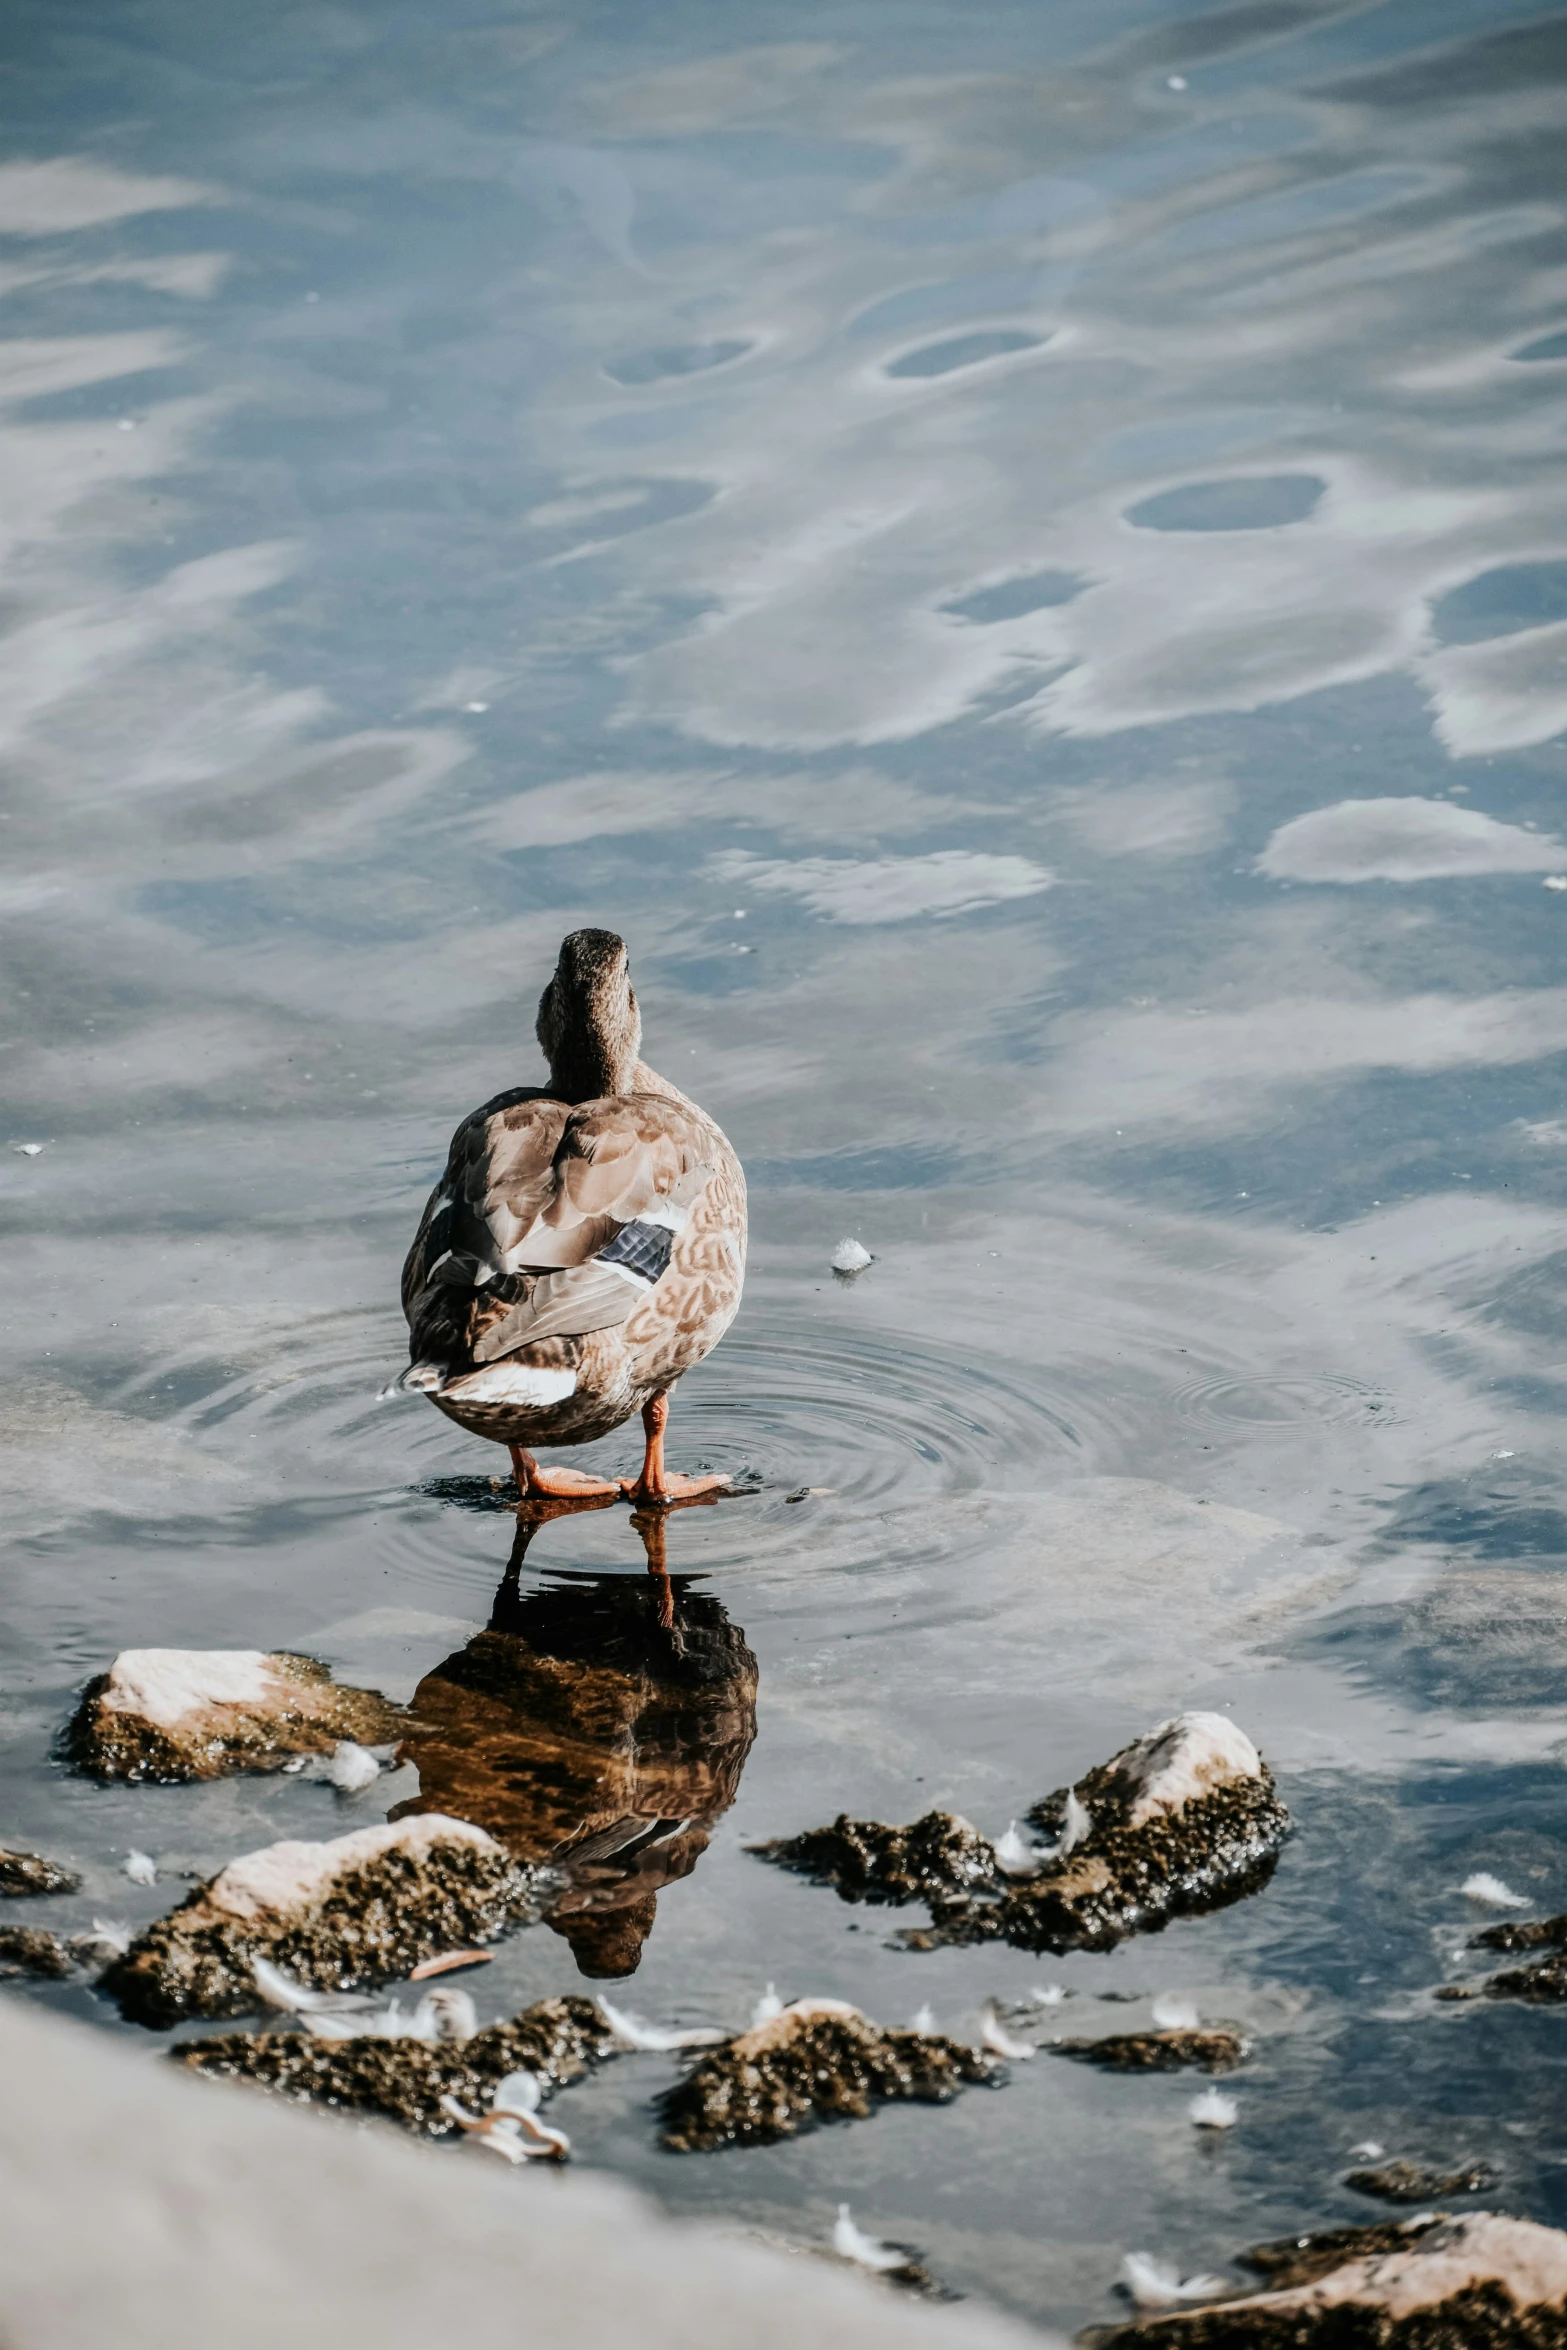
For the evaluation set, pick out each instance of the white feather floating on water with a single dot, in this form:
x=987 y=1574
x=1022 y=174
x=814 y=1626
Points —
x=1482 y=1886
x=852 y=2243
x=1155 y=2284
x=850 y=1257
x=1367 y=2150
x=514 y=2135
x=1016 y=1857
x=923 y=2019
x=995 y=2035
x=140 y=1867
x=1212 y=2110
x=1048 y=1995
x=657 y=2037
x=1171 y=2013
x=766 y=2007
x=446 y=2014
x=352 y=1767
x=108 y=1934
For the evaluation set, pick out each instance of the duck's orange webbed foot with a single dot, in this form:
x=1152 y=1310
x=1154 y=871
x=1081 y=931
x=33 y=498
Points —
x=658 y=1487
x=536 y=1484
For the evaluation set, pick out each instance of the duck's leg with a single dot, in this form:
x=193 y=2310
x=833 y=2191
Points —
x=656 y=1483
x=650 y=1524
x=556 y=1484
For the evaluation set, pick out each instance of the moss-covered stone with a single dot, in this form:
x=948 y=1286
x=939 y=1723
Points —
x=557 y=2039
x=809 y=2065
x=1479 y=2283
x=177 y=1714
x=23 y=1873
x=32 y=1950
x=1406 y=2182
x=1145 y=1858
x=360 y=1911
x=1159 y=2052
x=935 y=1857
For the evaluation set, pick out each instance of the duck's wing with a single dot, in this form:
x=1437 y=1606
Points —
x=550 y=1221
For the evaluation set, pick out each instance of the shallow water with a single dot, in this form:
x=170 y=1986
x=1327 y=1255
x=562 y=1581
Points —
x=933 y=524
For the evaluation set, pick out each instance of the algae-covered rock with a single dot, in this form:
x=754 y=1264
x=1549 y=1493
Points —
x=1212 y=2051
x=1186 y=1819
x=1479 y=2283
x=28 y=1872
x=350 y=1914
x=1406 y=2182
x=865 y=1860
x=32 y=1950
x=555 y=2039
x=197 y=1713
x=818 y=2060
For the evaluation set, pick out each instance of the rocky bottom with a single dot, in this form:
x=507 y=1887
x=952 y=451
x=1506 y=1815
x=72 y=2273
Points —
x=555 y=2039
x=1479 y=2283
x=805 y=2066
x=1159 y=2052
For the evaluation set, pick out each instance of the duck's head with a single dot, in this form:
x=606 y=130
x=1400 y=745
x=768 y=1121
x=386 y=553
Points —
x=589 y=1025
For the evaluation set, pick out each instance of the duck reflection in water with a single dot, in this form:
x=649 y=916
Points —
x=598 y=1726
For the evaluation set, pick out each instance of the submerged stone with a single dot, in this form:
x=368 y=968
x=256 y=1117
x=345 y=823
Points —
x=818 y=2060
x=1186 y=1819
x=1545 y=1982
x=33 y=1950
x=194 y=1713
x=1478 y=2283
x=1159 y=2052
x=1406 y=2182
x=1530 y=1934
x=351 y=1914
x=22 y=1873
x=555 y=2039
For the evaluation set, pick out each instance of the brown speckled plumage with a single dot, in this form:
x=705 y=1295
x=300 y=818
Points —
x=508 y=1277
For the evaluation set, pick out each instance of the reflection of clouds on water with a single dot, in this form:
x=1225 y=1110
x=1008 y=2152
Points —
x=887 y=889
x=1276 y=270
x=1402 y=840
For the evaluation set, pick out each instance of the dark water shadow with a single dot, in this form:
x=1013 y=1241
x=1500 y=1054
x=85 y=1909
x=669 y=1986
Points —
x=597 y=1727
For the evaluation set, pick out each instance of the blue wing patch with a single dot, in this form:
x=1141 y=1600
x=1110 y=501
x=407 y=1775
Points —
x=640 y=1250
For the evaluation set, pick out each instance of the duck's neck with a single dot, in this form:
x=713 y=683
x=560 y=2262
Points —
x=587 y=1066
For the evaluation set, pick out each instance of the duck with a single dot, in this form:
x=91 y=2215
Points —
x=584 y=1247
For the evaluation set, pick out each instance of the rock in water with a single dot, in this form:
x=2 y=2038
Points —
x=1479 y=2283
x=1212 y=2051
x=196 y=1713
x=818 y=2060
x=353 y=1913
x=555 y=2040
x=28 y=1872
x=33 y=1950
x=1185 y=1819
x=1406 y=2182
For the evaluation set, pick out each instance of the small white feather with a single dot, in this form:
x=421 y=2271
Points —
x=852 y=2243
x=850 y=1257
x=352 y=1767
x=1047 y=1994
x=923 y=2019
x=635 y=2033
x=445 y=2015
x=519 y=2092
x=1483 y=1887
x=1173 y=2014
x=766 y=2007
x=1214 y=2111
x=1367 y=2151
x=1015 y=1856
x=1077 y=1827
x=140 y=1867
x=995 y=2035
x=29 y=1150
x=1155 y=2284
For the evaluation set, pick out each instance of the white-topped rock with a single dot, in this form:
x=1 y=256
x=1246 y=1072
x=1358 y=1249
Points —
x=347 y=1914
x=1184 y=1759
x=1482 y=2279
x=197 y=1713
